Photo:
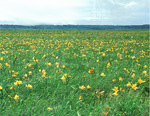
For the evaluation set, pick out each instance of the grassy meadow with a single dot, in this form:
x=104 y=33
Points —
x=74 y=73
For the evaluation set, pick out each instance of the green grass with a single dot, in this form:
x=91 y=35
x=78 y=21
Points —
x=78 y=51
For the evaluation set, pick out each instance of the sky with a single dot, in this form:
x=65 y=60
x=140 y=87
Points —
x=76 y=12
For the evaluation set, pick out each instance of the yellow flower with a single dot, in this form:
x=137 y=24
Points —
x=134 y=87
x=98 y=96
x=101 y=93
x=88 y=87
x=63 y=66
x=144 y=72
x=108 y=65
x=136 y=61
x=105 y=113
x=36 y=60
x=65 y=75
x=114 y=80
x=102 y=75
x=145 y=66
x=16 y=97
x=97 y=60
x=141 y=81
x=29 y=65
x=57 y=64
x=12 y=88
x=2 y=59
x=133 y=57
x=9 y=96
x=124 y=69
x=103 y=54
x=128 y=84
x=91 y=70
x=17 y=82
x=120 y=89
x=49 y=64
x=1 y=87
x=133 y=75
x=121 y=79
x=50 y=109
x=44 y=77
x=29 y=86
x=82 y=87
x=80 y=98
x=123 y=90
x=63 y=78
x=116 y=93
x=115 y=89
x=7 y=65
x=84 y=55
x=25 y=75
x=44 y=73
x=30 y=72
x=58 y=71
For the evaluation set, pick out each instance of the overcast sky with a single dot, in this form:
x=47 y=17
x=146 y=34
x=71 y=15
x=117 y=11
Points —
x=91 y=12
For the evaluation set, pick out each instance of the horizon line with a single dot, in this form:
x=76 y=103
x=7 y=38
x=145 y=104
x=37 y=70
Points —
x=75 y=24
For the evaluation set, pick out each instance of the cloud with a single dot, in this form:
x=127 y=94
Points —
x=4 y=19
x=102 y=12
x=130 y=4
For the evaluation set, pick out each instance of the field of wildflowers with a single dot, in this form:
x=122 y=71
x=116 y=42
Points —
x=74 y=73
